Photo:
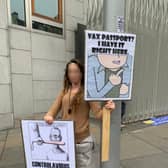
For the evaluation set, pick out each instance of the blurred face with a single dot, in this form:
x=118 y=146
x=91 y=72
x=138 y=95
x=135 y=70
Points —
x=112 y=61
x=74 y=73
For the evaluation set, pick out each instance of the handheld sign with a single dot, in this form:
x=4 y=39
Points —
x=49 y=146
x=109 y=59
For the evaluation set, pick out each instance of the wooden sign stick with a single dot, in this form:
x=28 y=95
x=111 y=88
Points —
x=105 y=135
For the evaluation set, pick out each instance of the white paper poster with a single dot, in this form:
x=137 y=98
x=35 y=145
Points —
x=49 y=146
x=109 y=60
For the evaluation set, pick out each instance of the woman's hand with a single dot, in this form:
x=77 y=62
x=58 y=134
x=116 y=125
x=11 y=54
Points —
x=49 y=119
x=110 y=105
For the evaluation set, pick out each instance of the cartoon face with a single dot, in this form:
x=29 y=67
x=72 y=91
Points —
x=55 y=134
x=112 y=61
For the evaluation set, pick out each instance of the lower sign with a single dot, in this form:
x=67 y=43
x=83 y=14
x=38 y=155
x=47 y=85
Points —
x=49 y=146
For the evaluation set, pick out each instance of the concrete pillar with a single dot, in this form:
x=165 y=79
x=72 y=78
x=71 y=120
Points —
x=112 y=9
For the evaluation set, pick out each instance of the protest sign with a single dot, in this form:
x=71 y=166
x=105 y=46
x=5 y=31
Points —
x=49 y=146
x=109 y=59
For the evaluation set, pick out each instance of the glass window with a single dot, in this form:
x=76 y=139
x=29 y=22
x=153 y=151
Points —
x=48 y=9
x=18 y=15
x=47 y=28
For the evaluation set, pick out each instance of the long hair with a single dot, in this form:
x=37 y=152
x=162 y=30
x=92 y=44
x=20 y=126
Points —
x=67 y=83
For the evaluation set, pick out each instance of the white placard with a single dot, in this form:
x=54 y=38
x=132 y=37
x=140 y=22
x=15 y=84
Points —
x=49 y=146
x=109 y=59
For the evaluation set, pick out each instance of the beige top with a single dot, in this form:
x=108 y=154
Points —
x=79 y=113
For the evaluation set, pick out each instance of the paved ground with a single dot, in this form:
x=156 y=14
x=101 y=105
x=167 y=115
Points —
x=144 y=147
x=141 y=146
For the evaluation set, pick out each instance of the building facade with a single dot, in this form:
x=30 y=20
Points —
x=37 y=39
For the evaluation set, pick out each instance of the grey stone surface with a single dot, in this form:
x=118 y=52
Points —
x=3 y=14
x=48 y=70
x=48 y=47
x=77 y=9
x=155 y=136
x=144 y=147
x=46 y=90
x=132 y=147
x=152 y=161
x=5 y=70
x=22 y=95
x=20 y=39
x=70 y=42
x=14 y=139
x=12 y=156
x=21 y=61
x=19 y=165
x=4 y=43
x=6 y=120
x=5 y=99
x=2 y=147
x=42 y=105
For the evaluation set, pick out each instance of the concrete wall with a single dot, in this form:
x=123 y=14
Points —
x=32 y=64
x=6 y=110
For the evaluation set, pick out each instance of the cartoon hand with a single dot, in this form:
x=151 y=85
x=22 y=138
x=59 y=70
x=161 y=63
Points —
x=115 y=79
x=124 y=89
x=39 y=141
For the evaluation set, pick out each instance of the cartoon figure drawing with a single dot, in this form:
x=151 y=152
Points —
x=56 y=152
x=52 y=147
x=108 y=75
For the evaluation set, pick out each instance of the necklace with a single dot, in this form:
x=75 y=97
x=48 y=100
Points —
x=70 y=101
x=69 y=109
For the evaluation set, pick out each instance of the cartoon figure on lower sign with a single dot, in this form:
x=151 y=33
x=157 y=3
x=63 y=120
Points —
x=109 y=75
x=56 y=152
x=50 y=149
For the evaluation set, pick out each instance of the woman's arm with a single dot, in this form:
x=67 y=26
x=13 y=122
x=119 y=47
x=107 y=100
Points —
x=54 y=109
x=98 y=110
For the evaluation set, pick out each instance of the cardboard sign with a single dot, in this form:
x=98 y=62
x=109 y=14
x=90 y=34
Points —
x=109 y=59
x=49 y=146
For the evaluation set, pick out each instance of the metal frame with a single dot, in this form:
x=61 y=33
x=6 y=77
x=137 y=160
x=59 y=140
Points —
x=58 y=19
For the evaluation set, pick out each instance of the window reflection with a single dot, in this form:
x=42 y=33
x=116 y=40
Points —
x=18 y=16
x=47 y=8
